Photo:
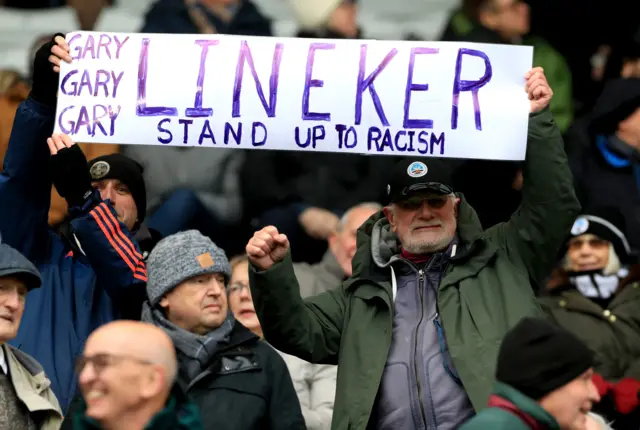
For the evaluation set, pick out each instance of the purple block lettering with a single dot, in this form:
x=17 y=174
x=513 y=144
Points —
x=83 y=119
x=245 y=56
x=237 y=134
x=437 y=141
x=141 y=107
x=186 y=123
x=197 y=111
x=408 y=122
x=85 y=81
x=75 y=50
x=102 y=79
x=119 y=45
x=309 y=82
x=74 y=85
x=116 y=82
x=113 y=114
x=254 y=133
x=66 y=130
x=473 y=86
x=89 y=46
x=206 y=133
x=161 y=129
x=96 y=119
x=307 y=139
x=367 y=83
x=105 y=41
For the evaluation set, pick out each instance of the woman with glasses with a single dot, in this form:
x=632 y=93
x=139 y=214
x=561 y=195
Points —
x=315 y=384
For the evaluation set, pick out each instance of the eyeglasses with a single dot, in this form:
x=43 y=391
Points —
x=414 y=203
x=575 y=244
x=101 y=361
x=238 y=287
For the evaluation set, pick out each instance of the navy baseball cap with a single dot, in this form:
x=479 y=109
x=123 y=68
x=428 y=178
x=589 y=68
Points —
x=411 y=176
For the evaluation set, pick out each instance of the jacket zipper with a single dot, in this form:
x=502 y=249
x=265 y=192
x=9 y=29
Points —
x=415 y=347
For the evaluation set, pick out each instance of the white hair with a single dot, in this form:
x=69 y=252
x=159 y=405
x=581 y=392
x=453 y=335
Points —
x=602 y=424
x=366 y=205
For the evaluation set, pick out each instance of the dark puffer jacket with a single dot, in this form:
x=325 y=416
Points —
x=612 y=332
x=246 y=387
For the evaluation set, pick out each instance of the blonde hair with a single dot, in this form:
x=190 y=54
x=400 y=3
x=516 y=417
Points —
x=237 y=260
x=9 y=78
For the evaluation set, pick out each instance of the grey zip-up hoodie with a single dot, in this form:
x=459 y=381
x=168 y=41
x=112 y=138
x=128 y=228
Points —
x=420 y=388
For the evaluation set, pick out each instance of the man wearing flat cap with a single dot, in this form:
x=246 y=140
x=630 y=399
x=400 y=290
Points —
x=28 y=403
x=416 y=328
x=92 y=273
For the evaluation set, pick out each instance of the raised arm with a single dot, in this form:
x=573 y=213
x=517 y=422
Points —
x=25 y=185
x=105 y=240
x=310 y=329
x=549 y=206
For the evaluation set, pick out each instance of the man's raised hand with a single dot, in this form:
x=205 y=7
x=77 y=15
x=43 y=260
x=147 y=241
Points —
x=538 y=89
x=267 y=247
x=46 y=69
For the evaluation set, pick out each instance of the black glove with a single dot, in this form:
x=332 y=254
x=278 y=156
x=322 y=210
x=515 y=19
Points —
x=70 y=175
x=45 y=81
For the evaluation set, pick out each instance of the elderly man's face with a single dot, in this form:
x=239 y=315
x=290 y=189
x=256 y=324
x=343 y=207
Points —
x=198 y=305
x=570 y=404
x=424 y=223
x=343 y=242
x=13 y=293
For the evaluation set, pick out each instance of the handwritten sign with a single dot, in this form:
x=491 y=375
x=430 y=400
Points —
x=457 y=100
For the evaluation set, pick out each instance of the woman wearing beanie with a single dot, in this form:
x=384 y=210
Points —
x=596 y=293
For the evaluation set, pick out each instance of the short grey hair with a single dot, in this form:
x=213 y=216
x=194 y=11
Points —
x=366 y=205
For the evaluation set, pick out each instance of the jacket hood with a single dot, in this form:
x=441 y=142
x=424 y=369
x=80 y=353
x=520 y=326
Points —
x=618 y=100
x=375 y=237
x=178 y=414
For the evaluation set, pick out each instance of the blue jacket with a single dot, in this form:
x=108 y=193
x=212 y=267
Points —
x=80 y=290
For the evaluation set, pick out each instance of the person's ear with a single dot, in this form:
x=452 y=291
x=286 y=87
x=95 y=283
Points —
x=388 y=212
x=164 y=302
x=152 y=382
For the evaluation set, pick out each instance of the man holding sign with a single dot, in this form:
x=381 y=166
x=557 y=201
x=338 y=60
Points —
x=417 y=327
x=93 y=273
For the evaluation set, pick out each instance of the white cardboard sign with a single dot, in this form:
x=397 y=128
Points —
x=444 y=99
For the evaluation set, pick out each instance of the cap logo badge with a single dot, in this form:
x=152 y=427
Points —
x=205 y=260
x=417 y=169
x=580 y=226
x=99 y=170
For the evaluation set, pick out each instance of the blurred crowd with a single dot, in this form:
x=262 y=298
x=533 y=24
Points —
x=149 y=287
